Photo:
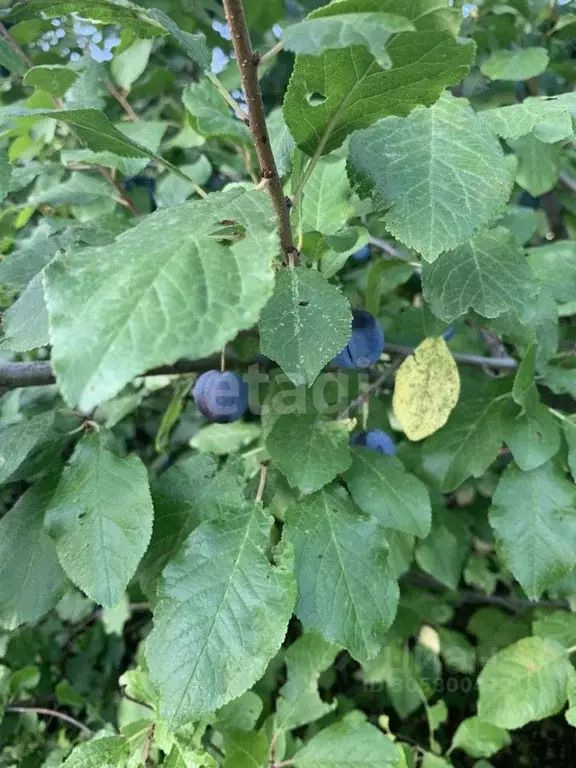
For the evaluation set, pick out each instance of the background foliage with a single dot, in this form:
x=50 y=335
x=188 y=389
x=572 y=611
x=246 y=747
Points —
x=263 y=593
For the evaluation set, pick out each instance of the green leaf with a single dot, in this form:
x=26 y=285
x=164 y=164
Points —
x=210 y=114
x=555 y=267
x=192 y=491
x=101 y=519
x=241 y=714
x=79 y=189
x=569 y=429
x=347 y=744
x=169 y=273
x=397 y=667
x=521 y=221
x=52 y=78
x=308 y=450
x=10 y=59
x=469 y=442
x=245 y=750
x=127 y=66
x=559 y=626
x=356 y=91
x=5 y=174
x=524 y=391
x=222 y=439
x=17 y=442
x=349 y=600
x=515 y=65
x=480 y=739
x=305 y=324
x=173 y=190
x=25 y=323
x=222 y=615
x=441 y=174
x=525 y=682
x=299 y=702
x=489 y=274
x=443 y=553
x=105 y=752
x=427 y=389
x=533 y=437
x=538 y=168
x=31 y=579
x=326 y=201
x=281 y=141
x=372 y=30
x=549 y=118
x=533 y=517
x=193 y=43
x=381 y=487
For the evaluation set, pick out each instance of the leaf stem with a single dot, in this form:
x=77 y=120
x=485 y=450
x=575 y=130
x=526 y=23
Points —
x=248 y=62
x=227 y=96
x=571 y=649
x=122 y=100
x=262 y=482
x=274 y=51
x=52 y=713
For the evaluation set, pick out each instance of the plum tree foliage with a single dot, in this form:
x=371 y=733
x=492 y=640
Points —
x=287 y=380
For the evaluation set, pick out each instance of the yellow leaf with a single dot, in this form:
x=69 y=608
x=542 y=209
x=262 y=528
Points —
x=427 y=389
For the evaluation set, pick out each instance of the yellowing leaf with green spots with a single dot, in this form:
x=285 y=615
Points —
x=427 y=389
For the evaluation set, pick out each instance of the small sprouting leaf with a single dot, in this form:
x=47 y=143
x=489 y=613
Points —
x=299 y=702
x=372 y=30
x=100 y=517
x=381 y=487
x=441 y=174
x=18 y=440
x=194 y=292
x=515 y=65
x=308 y=450
x=305 y=323
x=534 y=519
x=523 y=683
x=349 y=600
x=222 y=615
x=31 y=578
x=480 y=739
x=326 y=203
x=489 y=274
x=427 y=389
x=347 y=744
x=52 y=78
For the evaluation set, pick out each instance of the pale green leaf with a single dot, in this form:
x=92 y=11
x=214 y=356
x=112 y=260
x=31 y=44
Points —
x=548 y=117
x=427 y=389
x=524 y=391
x=18 y=440
x=192 y=491
x=555 y=267
x=299 y=702
x=25 y=323
x=348 y=599
x=336 y=250
x=308 y=450
x=305 y=324
x=245 y=749
x=354 y=89
x=397 y=667
x=31 y=579
x=80 y=188
x=372 y=30
x=538 y=168
x=127 y=66
x=211 y=116
x=281 y=141
x=489 y=274
x=533 y=437
x=443 y=552
x=169 y=273
x=52 y=78
x=193 y=43
x=173 y=190
x=521 y=221
x=381 y=487
x=347 y=744
x=515 y=65
x=105 y=752
x=523 y=683
x=222 y=615
x=440 y=173
x=326 y=201
x=559 y=626
x=222 y=439
x=101 y=519
x=241 y=714
x=480 y=739
x=534 y=519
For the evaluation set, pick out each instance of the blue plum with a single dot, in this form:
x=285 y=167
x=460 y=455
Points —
x=366 y=342
x=363 y=254
x=376 y=440
x=449 y=334
x=221 y=396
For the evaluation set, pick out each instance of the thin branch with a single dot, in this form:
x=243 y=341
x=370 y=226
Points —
x=122 y=100
x=227 y=96
x=503 y=363
x=122 y=196
x=374 y=387
x=148 y=743
x=284 y=764
x=274 y=51
x=52 y=713
x=262 y=482
x=568 y=181
x=17 y=49
x=385 y=246
x=248 y=65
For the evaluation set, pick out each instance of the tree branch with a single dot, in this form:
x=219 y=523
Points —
x=503 y=363
x=122 y=100
x=52 y=713
x=248 y=65
x=17 y=49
